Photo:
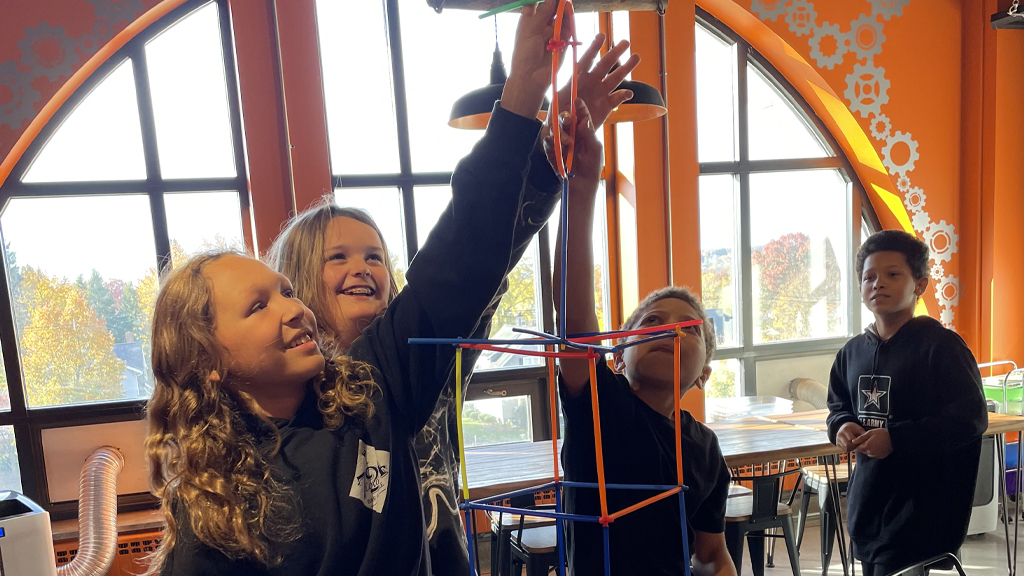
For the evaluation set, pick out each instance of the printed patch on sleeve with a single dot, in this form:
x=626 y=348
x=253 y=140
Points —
x=373 y=473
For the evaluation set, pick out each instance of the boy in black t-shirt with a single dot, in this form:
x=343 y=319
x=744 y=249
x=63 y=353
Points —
x=636 y=412
x=906 y=396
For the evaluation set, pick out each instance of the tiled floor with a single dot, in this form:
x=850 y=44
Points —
x=983 y=555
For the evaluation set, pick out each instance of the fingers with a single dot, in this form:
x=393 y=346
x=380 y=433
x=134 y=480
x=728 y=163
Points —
x=604 y=65
x=587 y=60
x=583 y=119
x=618 y=97
x=619 y=74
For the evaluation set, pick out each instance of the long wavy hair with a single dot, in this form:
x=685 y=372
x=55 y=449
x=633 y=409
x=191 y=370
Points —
x=298 y=253
x=209 y=444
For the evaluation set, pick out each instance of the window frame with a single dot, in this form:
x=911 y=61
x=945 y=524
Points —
x=858 y=207
x=28 y=423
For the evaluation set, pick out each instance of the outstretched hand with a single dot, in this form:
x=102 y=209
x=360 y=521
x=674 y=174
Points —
x=531 y=60
x=596 y=84
x=588 y=154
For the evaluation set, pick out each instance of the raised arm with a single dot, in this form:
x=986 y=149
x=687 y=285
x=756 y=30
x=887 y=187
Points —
x=461 y=266
x=598 y=95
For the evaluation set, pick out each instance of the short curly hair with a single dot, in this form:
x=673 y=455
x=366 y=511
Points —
x=914 y=250
x=684 y=294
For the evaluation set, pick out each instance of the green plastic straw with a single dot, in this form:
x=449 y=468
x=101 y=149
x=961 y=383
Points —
x=507 y=7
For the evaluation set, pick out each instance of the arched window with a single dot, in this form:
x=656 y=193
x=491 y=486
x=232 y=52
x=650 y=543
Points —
x=779 y=219
x=142 y=165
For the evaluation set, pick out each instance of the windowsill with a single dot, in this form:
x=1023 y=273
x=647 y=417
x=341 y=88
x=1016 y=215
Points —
x=127 y=522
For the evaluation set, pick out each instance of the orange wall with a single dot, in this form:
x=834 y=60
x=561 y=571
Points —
x=42 y=44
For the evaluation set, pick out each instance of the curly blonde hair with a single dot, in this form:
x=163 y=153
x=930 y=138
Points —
x=298 y=253
x=207 y=444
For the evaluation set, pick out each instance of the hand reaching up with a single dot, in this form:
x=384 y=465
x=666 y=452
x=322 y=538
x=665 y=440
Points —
x=531 y=59
x=596 y=83
x=588 y=155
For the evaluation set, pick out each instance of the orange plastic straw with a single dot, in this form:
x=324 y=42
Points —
x=602 y=488
x=553 y=384
x=678 y=416
x=647 y=502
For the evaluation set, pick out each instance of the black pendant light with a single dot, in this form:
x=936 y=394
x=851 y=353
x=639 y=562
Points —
x=472 y=111
x=646 y=103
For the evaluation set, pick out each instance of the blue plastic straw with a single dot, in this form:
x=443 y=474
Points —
x=538 y=513
x=524 y=491
x=624 y=345
x=471 y=540
x=686 y=538
x=568 y=484
x=561 y=535
x=608 y=553
x=564 y=255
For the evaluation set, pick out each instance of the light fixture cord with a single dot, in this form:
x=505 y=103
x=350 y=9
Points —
x=495 y=31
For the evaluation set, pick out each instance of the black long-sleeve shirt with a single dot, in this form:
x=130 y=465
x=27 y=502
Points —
x=924 y=386
x=358 y=487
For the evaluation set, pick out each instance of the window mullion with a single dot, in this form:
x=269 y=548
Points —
x=394 y=31
x=147 y=123
x=745 y=272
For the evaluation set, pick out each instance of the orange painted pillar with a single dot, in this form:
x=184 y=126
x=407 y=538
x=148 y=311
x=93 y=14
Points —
x=668 y=248
x=263 y=120
x=304 y=100
x=651 y=207
x=1008 y=192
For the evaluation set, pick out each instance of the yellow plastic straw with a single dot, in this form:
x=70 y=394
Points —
x=458 y=412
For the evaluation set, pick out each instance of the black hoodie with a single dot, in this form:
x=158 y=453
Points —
x=923 y=384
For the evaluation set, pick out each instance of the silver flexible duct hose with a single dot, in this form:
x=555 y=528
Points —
x=97 y=515
x=811 y=391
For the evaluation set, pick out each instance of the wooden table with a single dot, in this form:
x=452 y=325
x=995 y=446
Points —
x=498 y=469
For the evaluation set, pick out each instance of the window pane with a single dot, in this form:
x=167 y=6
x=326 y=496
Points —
x=497 y=421
x=620 y=31
x=385 y=207
x=5 y=395
x=777 y=129
x=190 y=101
x=599 y=245
x=624 y=150
x=628 y=255
x=100 y=140
x=432 y=43
x=10 y=473
x=85 y=294
x=866 y=317
x=361 y=123
x=200 y=221
x=726 y=380
x=799 y=229
x=719 y=238
x=716 y=78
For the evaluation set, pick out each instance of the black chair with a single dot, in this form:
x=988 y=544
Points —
x=815 y=480
x=752 y=515
x=947 y=561
x=505 y=524
x=535 y=548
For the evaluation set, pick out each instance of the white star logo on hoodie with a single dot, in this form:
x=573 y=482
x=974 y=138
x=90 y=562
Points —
x=874 y=395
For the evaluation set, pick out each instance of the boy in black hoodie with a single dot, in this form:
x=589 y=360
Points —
x=906 y=396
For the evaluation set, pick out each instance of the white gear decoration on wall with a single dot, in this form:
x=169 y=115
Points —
x=881 y=127
x=915 y=200
x=866 y=37
x=769 y=9
x=912 y=157
x=920 y=220
x=824 y=31
x=867 y=90
x=948 y=291
x=888 y=8
x=942 y=240
x=800 y=16
x=946 y=317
